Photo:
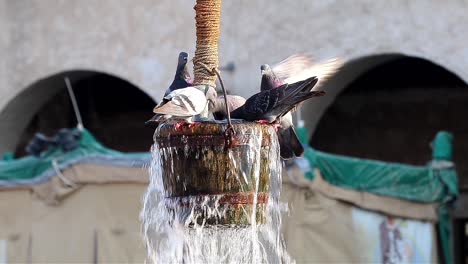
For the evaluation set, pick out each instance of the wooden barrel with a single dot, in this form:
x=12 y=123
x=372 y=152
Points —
x=209 y=180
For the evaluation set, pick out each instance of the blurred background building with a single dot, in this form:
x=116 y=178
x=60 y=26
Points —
x=405 y=77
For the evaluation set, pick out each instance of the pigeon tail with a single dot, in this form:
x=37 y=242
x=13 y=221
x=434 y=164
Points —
x=298 y=92
x=290 y=146
x=156 y=120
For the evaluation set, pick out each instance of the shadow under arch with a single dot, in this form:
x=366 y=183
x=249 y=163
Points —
x=389 y=107
x=352 y=69
x=112 y=109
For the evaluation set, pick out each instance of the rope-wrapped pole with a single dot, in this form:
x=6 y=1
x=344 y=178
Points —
x=208 y=13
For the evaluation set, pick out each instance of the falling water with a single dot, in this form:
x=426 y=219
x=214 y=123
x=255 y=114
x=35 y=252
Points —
x=177 y=230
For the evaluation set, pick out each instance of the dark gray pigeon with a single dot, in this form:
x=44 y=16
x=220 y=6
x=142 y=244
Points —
x=290 y=144
x=272 y=104
x=292 y=69
x=182 y=77
x=181 y=80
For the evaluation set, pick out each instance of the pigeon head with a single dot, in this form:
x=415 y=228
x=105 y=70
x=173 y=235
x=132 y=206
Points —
x=269 y=79
x=182 y=70
x=265 y=68
x=183 y=58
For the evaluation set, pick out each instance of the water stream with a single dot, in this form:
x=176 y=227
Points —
x=177 y=230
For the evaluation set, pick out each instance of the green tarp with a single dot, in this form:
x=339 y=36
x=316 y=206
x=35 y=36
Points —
x=425 y=184
x=31 y=169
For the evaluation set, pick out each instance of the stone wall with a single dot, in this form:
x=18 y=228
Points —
x=138 y=40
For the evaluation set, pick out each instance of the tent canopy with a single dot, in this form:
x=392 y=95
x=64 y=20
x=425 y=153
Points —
x=33 y=170
x=436 y=183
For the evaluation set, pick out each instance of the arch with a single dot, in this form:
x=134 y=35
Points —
x=19 y=114
x=351 y=71
x=389 y=107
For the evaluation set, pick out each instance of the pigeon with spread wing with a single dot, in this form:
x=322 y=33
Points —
x=293 y=69
x=272 y=104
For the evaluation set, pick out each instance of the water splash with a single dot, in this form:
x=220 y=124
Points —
x=179 y=230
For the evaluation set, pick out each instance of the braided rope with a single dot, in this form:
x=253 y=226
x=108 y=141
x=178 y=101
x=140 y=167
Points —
x=208 y=13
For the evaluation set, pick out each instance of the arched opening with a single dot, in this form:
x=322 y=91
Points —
x=113 y=109
x=392 y=111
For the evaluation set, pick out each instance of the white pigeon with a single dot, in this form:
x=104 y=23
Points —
x=183 y=104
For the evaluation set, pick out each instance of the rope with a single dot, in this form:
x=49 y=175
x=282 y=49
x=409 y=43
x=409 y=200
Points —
x=66 y=182
x=75 y=104
x=229 y=132
x=215 y=72
x=208 y=13
x=225 y=97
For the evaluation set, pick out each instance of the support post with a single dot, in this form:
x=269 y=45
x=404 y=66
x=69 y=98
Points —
x=208 y=13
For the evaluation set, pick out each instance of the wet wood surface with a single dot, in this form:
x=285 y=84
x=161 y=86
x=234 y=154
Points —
x=197 y=162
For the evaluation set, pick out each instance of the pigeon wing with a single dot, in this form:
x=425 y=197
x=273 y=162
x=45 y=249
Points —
x=262 y=102
x=183 y=102
x=292 y=65
x=292 y=94
x=323 y=70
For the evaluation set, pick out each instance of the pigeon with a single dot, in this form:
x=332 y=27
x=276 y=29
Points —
x=186 y=103
x=181 y=80
x=219 y=108
x=290 y=144
x=290 y=70
x=270 y=105
x=182 y=77
x=275 y=104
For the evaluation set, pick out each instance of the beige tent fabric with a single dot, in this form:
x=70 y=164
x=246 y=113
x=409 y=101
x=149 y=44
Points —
x=319 y=229
x=95 y=219
x=15 y=227
x=58 y=188
x=387 y=205
x=53 y=191
x=92 y=173
x=96 y=222
x=66 y=233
